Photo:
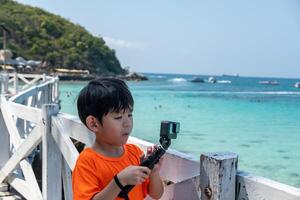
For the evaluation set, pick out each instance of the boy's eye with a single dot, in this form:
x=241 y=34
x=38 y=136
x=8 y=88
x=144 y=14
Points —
x=118 y=117
x=130 y=115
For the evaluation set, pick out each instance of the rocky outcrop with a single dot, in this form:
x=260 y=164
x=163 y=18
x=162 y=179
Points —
x=133 y=76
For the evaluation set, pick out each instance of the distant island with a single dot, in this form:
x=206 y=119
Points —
x=35 y=34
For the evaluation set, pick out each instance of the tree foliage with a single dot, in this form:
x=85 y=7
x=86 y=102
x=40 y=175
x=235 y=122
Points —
x=40 y=35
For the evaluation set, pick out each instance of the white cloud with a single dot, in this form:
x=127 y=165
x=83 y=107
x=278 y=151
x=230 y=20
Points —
x=117 y=43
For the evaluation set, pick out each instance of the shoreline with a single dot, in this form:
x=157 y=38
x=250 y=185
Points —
x=87 y=77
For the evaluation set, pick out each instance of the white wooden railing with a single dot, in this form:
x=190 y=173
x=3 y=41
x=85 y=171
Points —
x=30 y=119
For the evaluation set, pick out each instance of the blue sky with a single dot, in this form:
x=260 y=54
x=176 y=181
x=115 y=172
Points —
x=251 y=38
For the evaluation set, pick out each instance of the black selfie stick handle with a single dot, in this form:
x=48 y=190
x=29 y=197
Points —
x=149 y=162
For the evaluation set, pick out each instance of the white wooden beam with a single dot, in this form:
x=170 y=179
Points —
x=255 y=187
x=22 y=187
x=21 y=96
x=24 y=112
x=75 y=129
x=23 y=151
x=27 y=75
x=30 y=178
x=186 y=189
x=51 y=174
x=64 y=142
x=16 y=141
x=24 y=80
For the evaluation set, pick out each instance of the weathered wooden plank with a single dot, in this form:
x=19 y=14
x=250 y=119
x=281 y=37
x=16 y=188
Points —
x=251 y=187
x=21 y=186
x=24 y=80
x=24 y=112
x=218 y=175
x=24 y=97
x=24 y=150
x=51 y=157
x=27 y=82
x=33 y=81
x=186 y=189
x=27 y=75
x=64 y=142
x=30 y=178
x=10 y=124
x=30 y=92
x=3 y=187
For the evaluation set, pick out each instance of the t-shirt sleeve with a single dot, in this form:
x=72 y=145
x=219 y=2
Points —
x=85 y=183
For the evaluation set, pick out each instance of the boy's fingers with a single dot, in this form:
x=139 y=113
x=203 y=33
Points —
x=144 y=176
x=145 y=170
x=149 y=150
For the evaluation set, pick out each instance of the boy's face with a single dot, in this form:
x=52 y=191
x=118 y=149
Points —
x=116 y=127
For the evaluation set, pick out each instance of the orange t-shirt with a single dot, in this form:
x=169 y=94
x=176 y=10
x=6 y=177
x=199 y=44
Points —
x=93 y=171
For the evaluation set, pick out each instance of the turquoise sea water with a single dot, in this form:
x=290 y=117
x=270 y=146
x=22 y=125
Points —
x=259 y=122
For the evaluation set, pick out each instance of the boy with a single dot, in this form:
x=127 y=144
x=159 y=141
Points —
x=105 y=106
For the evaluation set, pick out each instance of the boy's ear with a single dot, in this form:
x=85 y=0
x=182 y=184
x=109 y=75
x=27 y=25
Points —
x=92 y=123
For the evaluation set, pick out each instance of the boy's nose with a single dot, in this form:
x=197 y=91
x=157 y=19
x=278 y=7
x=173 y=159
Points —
x=127 y=122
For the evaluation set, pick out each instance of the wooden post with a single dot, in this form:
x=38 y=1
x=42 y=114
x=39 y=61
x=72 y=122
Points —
x=44 y=77
x=46 y=95
x=51 y=174
x=4 y=83
x=67 y=180
x=5 y=141
x=218 y=175
x=50 y=93
x=56 y=89
x=4 y=135
x=16 y=83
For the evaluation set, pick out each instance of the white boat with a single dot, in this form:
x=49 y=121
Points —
x=231 y=75
x=212 y=80
x=297 y=85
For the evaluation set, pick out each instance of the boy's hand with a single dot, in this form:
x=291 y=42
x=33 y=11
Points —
x=157 y=166
x=134 y=175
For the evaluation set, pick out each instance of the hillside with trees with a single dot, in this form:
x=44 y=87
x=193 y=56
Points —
x=39 y=35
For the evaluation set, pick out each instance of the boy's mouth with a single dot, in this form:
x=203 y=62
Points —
x=125 y=134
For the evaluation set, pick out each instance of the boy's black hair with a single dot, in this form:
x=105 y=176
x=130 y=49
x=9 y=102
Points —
x=102 y=96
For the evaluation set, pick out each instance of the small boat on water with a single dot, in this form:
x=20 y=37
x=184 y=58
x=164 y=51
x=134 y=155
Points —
x=269 y=82
x=212 y=80
x=297 y=85
x=197 y=80
x=231 y=75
